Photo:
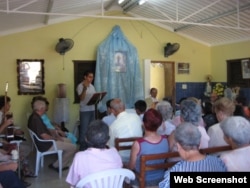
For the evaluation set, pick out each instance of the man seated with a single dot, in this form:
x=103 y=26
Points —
x=125 y=125
x=36 y=124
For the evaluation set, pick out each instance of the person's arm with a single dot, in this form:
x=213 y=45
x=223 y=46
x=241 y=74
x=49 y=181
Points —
x=82 y=93
x=133 y=155
x=5 y=124
x=8 y=166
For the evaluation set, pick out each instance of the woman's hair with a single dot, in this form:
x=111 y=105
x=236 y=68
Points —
x=237 y=128
x=166 y=110
x=190 y=111
x=97 y=134
x=152 y=120
x=188 y=136
x=2 y=100
x=224 y=105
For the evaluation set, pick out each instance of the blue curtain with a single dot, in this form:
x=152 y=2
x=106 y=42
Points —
x=118 y=71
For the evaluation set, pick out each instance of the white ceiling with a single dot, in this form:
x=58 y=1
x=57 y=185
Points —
x=211 y=22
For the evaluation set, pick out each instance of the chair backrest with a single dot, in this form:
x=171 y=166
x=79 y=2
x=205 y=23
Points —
x=112 y=178
x=124 y=143
x=145 y=166
x=36 y=139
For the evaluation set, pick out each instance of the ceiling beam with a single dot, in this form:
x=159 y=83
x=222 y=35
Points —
x=234 y=11
x=49 y=8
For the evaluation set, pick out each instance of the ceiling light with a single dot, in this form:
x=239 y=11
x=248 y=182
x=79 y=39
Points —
x=120 y=1
x=142 y=2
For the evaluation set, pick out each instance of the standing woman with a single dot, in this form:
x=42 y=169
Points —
x=85 y=90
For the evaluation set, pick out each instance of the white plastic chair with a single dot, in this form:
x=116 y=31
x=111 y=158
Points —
x=40 y=155
x=112 y=178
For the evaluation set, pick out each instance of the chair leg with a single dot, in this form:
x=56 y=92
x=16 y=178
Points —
x=60 y=163
x=37 y=163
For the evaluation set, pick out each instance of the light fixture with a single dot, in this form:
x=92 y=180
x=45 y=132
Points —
x=120 y=1
x=141 y=2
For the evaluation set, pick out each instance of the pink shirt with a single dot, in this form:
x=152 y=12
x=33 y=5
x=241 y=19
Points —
x=92 y=160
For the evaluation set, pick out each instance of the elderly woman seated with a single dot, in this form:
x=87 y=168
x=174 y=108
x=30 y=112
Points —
x=236 y=131
x=188 y=139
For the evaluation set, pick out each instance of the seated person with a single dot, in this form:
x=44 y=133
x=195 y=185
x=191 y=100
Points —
x=236 y=131
x=9 y=179
x=152 y=100
x=55 y=129
x=188 y=139
x=35 y=123
x=140 y=108
x=151 y=143
x=97 y=157
x=166 y=110
x=109 y=118
x=209 y=117
x=125 y=125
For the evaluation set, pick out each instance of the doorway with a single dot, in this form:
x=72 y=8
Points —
x=161 y=75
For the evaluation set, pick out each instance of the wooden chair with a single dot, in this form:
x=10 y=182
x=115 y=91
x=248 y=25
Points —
x=167 y=164
x=124 y=143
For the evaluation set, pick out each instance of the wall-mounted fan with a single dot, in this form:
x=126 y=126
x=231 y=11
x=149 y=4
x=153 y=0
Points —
x=170 y=49
x=64 y=45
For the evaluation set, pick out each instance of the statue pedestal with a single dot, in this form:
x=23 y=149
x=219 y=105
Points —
x=61 y=110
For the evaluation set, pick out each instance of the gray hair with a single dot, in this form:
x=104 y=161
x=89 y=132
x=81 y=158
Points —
x=190 y=111
x=97 y=134
x=188 y=136
x=237 y=128
x=38 y=105
x=165 y=109
x=117 y=105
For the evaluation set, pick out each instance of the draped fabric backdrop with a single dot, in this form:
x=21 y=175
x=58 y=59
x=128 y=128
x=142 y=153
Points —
x=118 y=71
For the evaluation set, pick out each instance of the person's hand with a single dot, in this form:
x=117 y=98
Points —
x=7 y=122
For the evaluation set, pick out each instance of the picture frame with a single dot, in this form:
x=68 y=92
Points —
x=183 y=68
x=245 y=68
x=120 y=61
x=30 y=76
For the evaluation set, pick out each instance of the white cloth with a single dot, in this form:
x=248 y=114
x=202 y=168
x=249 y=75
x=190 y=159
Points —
x=126 y=125
x=83 y=103
x=109 y=119
x=216 y=136
x=166 y=128
x=237 y=160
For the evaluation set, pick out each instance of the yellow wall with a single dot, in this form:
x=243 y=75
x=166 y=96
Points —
x=220 y=55
x=87 y=34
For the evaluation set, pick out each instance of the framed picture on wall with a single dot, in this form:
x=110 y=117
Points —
x=245 y=67
x=120 y=64
x=30 y=76
x=183 y=68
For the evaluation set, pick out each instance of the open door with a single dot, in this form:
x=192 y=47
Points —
x=161 y=75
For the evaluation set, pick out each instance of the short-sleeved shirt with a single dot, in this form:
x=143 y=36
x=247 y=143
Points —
x=89 y=92
x=92 y=160
x=35 y=123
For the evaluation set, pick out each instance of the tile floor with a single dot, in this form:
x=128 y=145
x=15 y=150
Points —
x=47 y=177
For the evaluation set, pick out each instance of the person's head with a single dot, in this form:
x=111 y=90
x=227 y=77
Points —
x=40 y=107
x=236 y=131
x=153 y=92
x=117 y=106
x=88 y=76
x=152 y=120
x=140 y=107
x=4 y=106
x=108 y=106
x=97 y=134
x=187 y=137
x=207 y=107
x=166 y=109
x=223 y=108
x=190 y=112
x=41 y=98
x=213 y=97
